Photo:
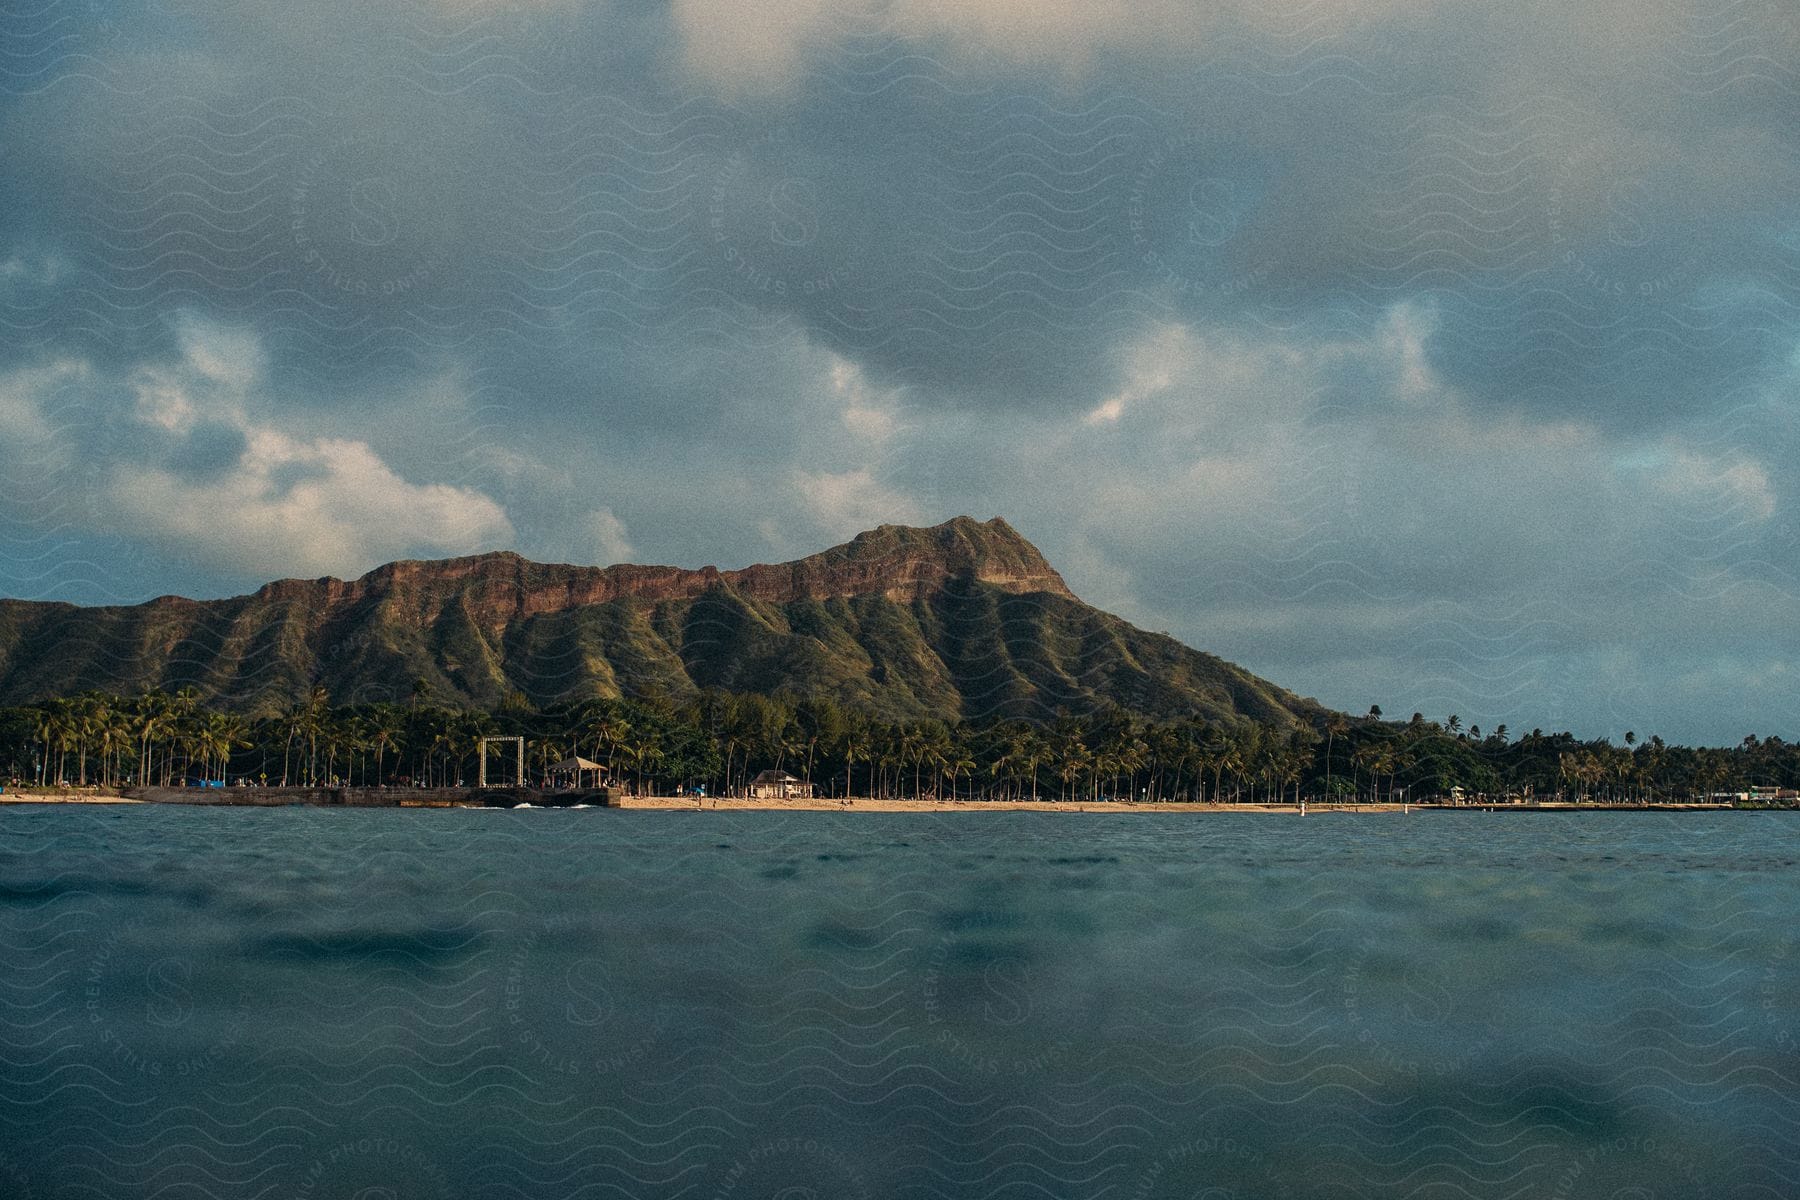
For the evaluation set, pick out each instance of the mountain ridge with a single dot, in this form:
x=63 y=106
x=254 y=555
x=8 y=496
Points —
x=954 y=620
x=897 y=561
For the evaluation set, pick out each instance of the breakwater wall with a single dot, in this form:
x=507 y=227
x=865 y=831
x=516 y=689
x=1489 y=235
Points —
x=373 y=797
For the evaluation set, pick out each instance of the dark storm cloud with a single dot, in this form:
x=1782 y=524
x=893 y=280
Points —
x=1398 y=316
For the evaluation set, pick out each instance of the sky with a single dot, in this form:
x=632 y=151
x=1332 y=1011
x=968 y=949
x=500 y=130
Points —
x=1436 y=354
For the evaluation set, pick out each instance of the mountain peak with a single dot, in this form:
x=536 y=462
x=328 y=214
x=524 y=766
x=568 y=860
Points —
x=993 y=531
x=961 y=618
x=909 y=558
x=895 y=562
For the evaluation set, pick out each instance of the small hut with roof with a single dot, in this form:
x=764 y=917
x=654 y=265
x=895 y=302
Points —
x=576 y=772
x=778 y=785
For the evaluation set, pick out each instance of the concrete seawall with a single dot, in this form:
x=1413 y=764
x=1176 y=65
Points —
x=373 y=797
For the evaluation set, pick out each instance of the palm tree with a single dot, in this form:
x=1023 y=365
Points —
x=235 y=729
x=1378 y=759
x=890 y=751
x=856 y=748
x=1298 y=757
x=1404 y=759
x=311 y=717
x=1006 y=764
x=609 y=730
x=932 y=750
x=822 y=725
x=786 y=741
x=1236 y=753
x=84 y=721
x=547 y=750
x=1126 y=755
x=1219 y=748
x=642 y=751
x=293 y=724
x=43 y=728
x=206 y=742
x=183 y=707
x=1074 y=761
x=1288 y=770
x=1713 y=770
x=957 y=762
x=153 y=716
x=1024 y=753
x=345 y=737
x=58 y=724
x=444 y=742
x=112 y=736
x=384 y=731
x=67 y=728
x=468 y=728
x=1335 y=724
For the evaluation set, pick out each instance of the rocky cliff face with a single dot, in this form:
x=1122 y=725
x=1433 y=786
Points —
x=894 y=562
x=962 y=619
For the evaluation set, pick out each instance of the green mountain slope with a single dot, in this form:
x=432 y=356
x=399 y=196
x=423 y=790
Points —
x=964 y=619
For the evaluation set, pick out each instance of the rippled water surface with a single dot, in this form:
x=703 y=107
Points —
x=376 y=1005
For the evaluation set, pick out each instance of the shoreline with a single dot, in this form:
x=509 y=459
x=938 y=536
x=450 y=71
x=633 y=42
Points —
x=864 y=804
x=867 y=804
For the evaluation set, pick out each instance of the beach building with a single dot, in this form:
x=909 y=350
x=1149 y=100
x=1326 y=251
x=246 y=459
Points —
x=576 y=772
x=1761 y=793
x=778 y=785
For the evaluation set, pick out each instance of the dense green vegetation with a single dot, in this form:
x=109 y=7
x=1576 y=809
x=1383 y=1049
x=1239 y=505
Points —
x=717 y=740
x=967 y=649
x=964 y=620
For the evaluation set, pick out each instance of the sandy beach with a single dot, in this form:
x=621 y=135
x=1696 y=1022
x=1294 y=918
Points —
x=864 y=804
x=858 y=804
x=65 y=796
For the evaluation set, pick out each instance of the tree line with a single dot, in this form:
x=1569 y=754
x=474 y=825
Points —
x=718 y=741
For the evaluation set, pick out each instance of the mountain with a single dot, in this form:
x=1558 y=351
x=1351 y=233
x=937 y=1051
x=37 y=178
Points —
x=964 y=619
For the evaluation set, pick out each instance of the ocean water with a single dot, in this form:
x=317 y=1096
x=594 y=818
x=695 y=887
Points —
x=376 y=1005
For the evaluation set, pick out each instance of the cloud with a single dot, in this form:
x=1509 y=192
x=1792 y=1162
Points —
x=21 y=271
x=220 y=354
x=318 y=507
x=757 y=44
x=206 y=480
x=1151 y=367
x=1330 y=510
x=1279 y=326
x=24 y=414
x=871 y=414
x=1731 y=481
x=752 y=46
x=611 y=540
x=842 y=504
x=1357 y=443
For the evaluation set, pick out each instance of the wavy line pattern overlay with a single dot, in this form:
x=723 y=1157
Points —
x=509 y=271
x=1275 y=311
x=563 y=1003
